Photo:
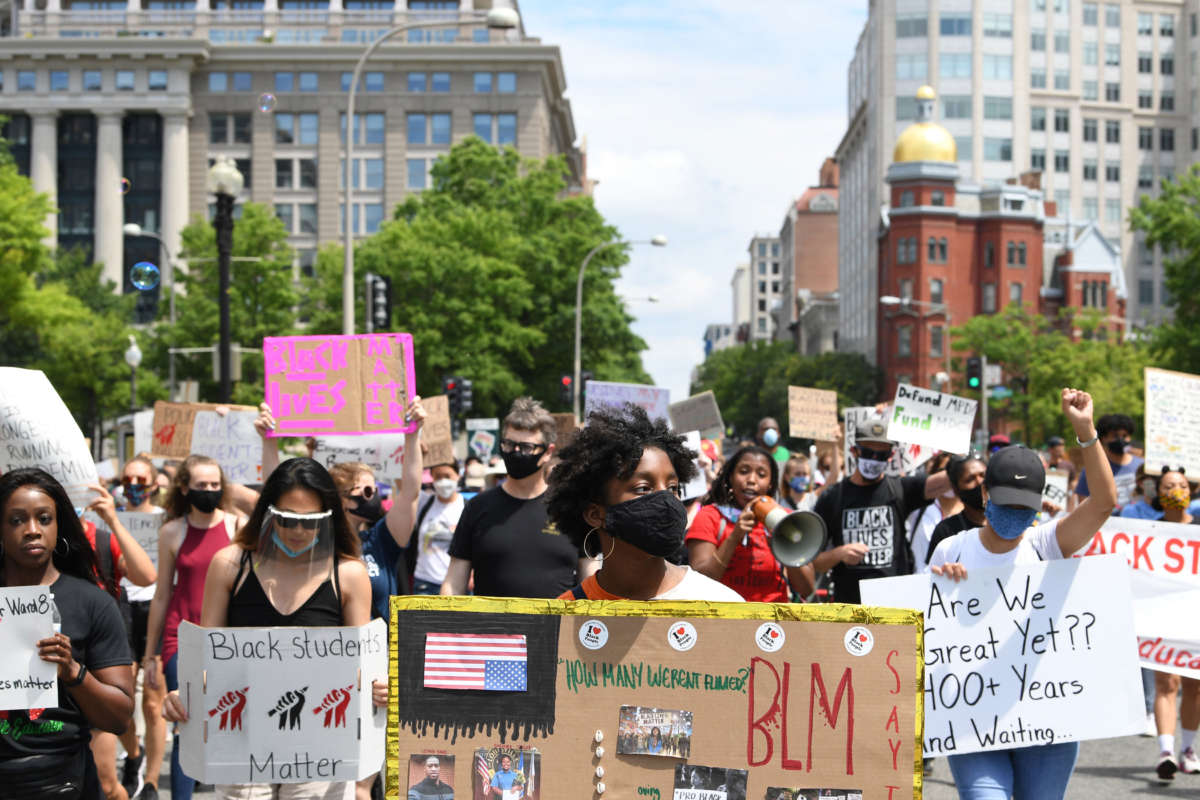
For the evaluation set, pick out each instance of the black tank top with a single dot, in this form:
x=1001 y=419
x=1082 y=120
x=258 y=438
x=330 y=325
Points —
x=251 y=608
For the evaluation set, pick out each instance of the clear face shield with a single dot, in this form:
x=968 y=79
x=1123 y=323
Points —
x=290 y=538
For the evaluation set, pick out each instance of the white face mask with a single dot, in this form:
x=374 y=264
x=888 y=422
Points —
x=871 y=469
x=445 y=488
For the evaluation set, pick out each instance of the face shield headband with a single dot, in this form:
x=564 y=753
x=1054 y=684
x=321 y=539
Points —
x=295 y=534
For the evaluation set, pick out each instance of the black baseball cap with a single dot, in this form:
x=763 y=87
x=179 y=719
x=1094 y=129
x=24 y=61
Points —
x=1015 y=477
x=1054 y=441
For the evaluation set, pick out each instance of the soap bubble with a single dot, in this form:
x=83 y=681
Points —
x=144 y=275
x=126 y=185
x=266 y=102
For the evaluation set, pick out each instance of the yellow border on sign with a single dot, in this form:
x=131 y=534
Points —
x=794 y=612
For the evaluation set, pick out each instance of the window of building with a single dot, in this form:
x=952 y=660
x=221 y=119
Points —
x=1112 y=92
x=368 y=128
x=906 y=109
x=774 y=287
x=937 y=197
x=1015 y=291
x=997 y=107
x=1145 y=62
x=1112 y=15
x=416 y=81
x=1037 y=159
x=1090 y=169
x=285 y=128
x=1166 y=139
x=904 y=341
x=762 y=268
x=59 y=80
x=1037 y=78
x=1037 y=118
x=935 y=290
x=506 y=82
x=943 y=251
x=1021 y=254
x=997 y=25
x=156 y=80
x=440 y=82
x=483 y=127
x=308 y=173
x=762 y=305
x=241 y=82
x=1012 y=253
x=306 y=261
x=911 y=66
x=439 y=128
x=1090 y=131
x=415 y=167
x=1166 y=64
x=1145 y=176
x=997 y=149
x=218 y=128
x=907 y=199
x=1112 y=210
x=762 y=249
x=989 y=254
x=124 y=80
x=1037 y=40
x=997 y=67
x=1062 y=120
x=911 y=26
x=285 y=82
x=283 y=173
x=932 y=249
x=506 y=129
x=955 y=25
x=1145 y=98
x=1166 y=100
x=283 y=212
x=935 y=341
x=309 y=128
x=989 y=298
x=306 y=216
x=902 y=251
x=1112 y=171
x=956 y=106
x=1166 y=25
x=373 y=81
x=1145 y=24
x=218 y=82
x=1062 y=79
x=483 y=83
x=1062 y=42
x=1112 y=55
x=1112 y=131
x=1062 y=160
x=1062 y=199
x=92 y=80
x=417 y=129
x=1146 y=292
x=954 y=65
x=1085 y=293
x=1091 y=208
x=762 y=324
x=1091 y=55
x=1091 y=14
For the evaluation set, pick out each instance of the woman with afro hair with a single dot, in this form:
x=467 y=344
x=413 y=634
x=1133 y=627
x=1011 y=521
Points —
x=615 y=494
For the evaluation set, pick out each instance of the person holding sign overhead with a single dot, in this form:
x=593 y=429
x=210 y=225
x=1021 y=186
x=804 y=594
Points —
x=44 y=752
x=615 y=494
x=1014 y=482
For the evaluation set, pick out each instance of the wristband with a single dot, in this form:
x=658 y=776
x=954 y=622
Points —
x=1095 y=438
x=78 y=679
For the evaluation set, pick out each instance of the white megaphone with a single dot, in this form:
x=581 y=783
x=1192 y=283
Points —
x=797 y=537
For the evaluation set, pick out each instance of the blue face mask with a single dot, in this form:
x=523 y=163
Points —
x=290 y=552
x=799 y=483
x=1009 y=523
x=770 y=437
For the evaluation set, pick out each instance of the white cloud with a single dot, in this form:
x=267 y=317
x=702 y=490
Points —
x=704 y=118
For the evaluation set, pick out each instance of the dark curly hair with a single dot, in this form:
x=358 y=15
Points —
x=722 y=490
x=610 y=446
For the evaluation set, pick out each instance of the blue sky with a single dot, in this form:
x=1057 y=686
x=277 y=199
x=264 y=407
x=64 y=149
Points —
x=703 y=119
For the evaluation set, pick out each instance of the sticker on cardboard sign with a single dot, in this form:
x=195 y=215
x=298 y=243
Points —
x=769 y=637
x=859 y=641
x=593 y=635
x=682 y=636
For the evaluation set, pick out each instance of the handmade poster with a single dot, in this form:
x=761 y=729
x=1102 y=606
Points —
x=694 y=782
x=143 y=431
x=383 y=453
x=508 y=773
x=1172 y=405
x=37 y=430
x=814 y=794
x=430 y=777
x=765 y=689
x=654 y=732
x=1055 y=490
x=174 y=427
x=906 y=456
x=26 y=681
x=812 y=414
x=339 y=384
x=698 y=413
x=933 y=419
x=232 y=440
x=697 y=486
x=483 y=438
x=565 y=427
x=1024 y=655
x=142 y=526
x=655 y=399
x=281 y=705
x=436 y=434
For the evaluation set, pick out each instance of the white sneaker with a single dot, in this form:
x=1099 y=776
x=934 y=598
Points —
x=1166 y=767
x=1151 y=726
x=1189 y=762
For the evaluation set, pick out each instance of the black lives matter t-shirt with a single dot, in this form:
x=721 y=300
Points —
x=513 y=547
x=91 y=620
x=873 y=515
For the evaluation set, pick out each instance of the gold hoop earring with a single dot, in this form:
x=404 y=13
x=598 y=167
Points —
x=599 y=555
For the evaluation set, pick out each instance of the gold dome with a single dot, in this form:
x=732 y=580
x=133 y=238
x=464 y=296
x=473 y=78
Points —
x=925 y=140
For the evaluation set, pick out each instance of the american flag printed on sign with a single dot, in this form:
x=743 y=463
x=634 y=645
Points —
x=479 y=661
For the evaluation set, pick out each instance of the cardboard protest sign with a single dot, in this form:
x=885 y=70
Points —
x=483 y=438
x=906 y=456
x=812 y=414
x=383 y=453
x=37 y=430
x=339 y=384
x=231 y=440
x=1055 y=490
x=1172 y=406
x=1024 y=655
x=698 y=413
x=142 y=526
x=26 y=681
x=281 y=705
x=934 y=419
x=656 y=400
x=173 y=429
x=742 y=694
x=435 y=434
x=565 y=427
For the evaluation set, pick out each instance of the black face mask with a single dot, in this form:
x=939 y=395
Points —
x=1118 y=446
x=521 y=465
x=654 y=524
x=369 y=509
x=204 y=501
x=972 y=498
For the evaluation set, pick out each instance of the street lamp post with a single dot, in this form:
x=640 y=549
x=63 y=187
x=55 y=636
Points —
x=934 y=308
x=496 y=18
x=226 y=183
x=657 y=241
x=133 y=357
x=133 y=229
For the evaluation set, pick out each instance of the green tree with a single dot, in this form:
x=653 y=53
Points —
x=1171 y=221
x=483 y=268
x=262 y=300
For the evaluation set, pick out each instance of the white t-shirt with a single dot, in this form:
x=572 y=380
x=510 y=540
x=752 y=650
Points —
x=695 y=586
x=434 y=536
x=919 y=526
x=1037 y=544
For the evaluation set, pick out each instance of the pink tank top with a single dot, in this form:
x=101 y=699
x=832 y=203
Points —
x=191 y=567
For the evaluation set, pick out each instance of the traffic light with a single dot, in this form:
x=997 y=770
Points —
x=451 y=388
x=974 y=372
x=379 y=302
x=466 y=395
x=567 y=385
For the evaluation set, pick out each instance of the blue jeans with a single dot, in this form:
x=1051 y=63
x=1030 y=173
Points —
x=1040 y=772
x=425 y=587
x=181 y=785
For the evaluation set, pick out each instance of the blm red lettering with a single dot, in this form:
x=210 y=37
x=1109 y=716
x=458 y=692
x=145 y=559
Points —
x=765 y=682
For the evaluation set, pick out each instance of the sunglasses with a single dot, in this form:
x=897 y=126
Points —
x=874 y=455
x=524 y=448
x=290 y=519
x=367 y=493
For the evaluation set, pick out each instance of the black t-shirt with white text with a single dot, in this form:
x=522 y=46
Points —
x=513 y=547
x=98 y=640
x=873 y=515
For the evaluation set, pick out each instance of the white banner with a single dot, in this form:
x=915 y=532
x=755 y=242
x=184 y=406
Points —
x=281 y=705
x=26 y=681
x=1024 y=655
x=232 y=441
x=383 y=453
x=37 y=430
x=906 y=457
x=656 y=400
x=934 y=419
